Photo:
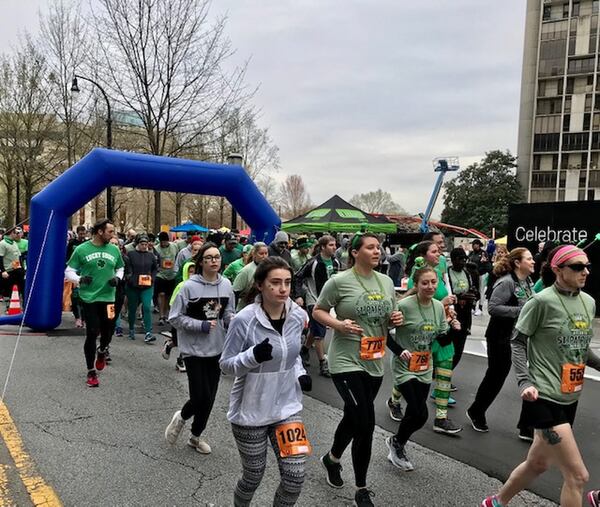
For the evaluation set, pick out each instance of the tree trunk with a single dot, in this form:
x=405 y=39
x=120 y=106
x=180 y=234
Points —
x=178 y=204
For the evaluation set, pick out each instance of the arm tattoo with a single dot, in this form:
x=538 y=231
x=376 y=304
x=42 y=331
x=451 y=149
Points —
x=551 y=436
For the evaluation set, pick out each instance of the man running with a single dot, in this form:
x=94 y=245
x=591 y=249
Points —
x=100 y=267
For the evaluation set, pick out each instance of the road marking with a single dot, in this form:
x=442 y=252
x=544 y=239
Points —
x=4 y=495
x=41 y=494
x=590 y=376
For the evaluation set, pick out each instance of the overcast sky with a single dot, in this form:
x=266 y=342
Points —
x=363 y=94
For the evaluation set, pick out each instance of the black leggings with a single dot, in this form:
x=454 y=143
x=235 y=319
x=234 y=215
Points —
x=415 y=415
x=203 y=379
x=459 y=338
x=358 y=389
x=499 y=363
x=97 y=323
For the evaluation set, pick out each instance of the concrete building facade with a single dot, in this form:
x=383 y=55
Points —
x=559 y=125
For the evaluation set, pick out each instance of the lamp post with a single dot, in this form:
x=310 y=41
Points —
x=75 y=89
x=234 y=159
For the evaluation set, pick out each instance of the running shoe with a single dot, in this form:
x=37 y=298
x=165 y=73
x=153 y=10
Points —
x=526 y=434
x=478 y=423
x=155 y=310
x=162 y=321
x=477 y=312
x=180 y=365
x=78 y=323
x=166 y=350
x=334 y=471
x=395 y=410
x=305 y=356
x=362 y=498
x=200 y=445
x=594 y=498
x=397 y=455
x=324 y=369
x=107 y=358
x=131 y=334
x=174 y=428
x=149 y=338
x=446 y=426
x=119 y=332
x=451 y=400
x=92 y=379
x=491 y=501
x=100 y=359
x=453 y=388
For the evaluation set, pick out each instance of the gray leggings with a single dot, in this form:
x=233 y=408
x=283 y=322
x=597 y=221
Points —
x=252 y=445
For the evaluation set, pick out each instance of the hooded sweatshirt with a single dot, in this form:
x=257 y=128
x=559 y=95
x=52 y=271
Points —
x=268 y=392
x=197 y=304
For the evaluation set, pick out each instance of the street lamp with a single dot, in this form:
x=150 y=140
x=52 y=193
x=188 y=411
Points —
x=75 y=89
x=234 y=159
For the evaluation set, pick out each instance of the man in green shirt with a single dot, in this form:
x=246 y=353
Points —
x=229 y=251
x=11 y=264
x=96 y=267
x=165 y=278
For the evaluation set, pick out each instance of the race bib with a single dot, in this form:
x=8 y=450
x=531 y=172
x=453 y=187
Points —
x=419 y=361
x=110 y=311
x=291 y=439
x=372 y=347
x=572 y=378
x=144 y=280
x=16 y=264
x=167 y=264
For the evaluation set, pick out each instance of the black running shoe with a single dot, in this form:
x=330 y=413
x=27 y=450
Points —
x=334 y=476
x=305 y=356
x=526 y=434
x=362 y=498
x=395 y=410
x=446 y=426
x=478 y=423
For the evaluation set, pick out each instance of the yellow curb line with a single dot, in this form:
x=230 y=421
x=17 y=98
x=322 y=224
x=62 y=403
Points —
x=41 y=494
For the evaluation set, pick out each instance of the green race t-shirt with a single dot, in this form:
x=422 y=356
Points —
x=101 y=263
x=559 y=328
x=228 y=256
x=459 y=281
x=370 y=308
x=422 y=324
x=233 y=270
x=11 y=255
x=166 y=270
x=328 y=266
x=243 y=283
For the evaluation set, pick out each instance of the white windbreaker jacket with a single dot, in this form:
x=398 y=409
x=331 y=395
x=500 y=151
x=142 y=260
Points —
x=269 y=392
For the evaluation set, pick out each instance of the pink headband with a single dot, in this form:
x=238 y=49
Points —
x=564 y=254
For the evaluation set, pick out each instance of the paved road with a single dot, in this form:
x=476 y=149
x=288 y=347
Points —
x=105 y=446
x=499 y=451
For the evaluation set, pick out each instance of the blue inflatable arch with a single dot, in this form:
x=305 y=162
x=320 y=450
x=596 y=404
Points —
x=99 y=169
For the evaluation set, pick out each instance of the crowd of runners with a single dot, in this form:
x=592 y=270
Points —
x=255 y=312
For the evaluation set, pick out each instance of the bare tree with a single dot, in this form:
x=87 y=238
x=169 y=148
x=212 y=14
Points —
x=294 y=196
x=164 y=61
x=378 y=201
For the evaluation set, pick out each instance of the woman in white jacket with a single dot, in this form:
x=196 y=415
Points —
x=262 y=350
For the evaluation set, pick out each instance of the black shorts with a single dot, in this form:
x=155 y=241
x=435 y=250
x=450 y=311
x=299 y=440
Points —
x=317 y=329
x=166 y=287
x=544 y=414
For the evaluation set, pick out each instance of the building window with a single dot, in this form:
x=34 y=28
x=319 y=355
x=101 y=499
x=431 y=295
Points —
x=575 y=141
x=546 y=142
x=575 y=9
x=547 y=12
x=581 y=66
x=595 y=7
x=566 y=122
x=565 y=10
x=588 y=102
x=586 y=121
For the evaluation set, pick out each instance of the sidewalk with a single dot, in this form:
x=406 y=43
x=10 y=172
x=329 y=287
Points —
x=105 y=446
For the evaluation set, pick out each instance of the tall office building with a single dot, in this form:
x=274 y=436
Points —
x=559 y=125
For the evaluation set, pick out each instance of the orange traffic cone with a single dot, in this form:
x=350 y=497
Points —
x=14 y=308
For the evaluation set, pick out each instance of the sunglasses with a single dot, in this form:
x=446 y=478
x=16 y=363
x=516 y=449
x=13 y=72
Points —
x=578 y=266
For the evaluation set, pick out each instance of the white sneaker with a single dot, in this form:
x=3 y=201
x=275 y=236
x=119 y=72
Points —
x=477 y=312
x=200 y=445
x=174 y=428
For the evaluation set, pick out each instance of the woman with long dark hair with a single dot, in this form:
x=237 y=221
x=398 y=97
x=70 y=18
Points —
x=365 y=306
x=262 y=350
x=512 y=290
x=201 y=313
